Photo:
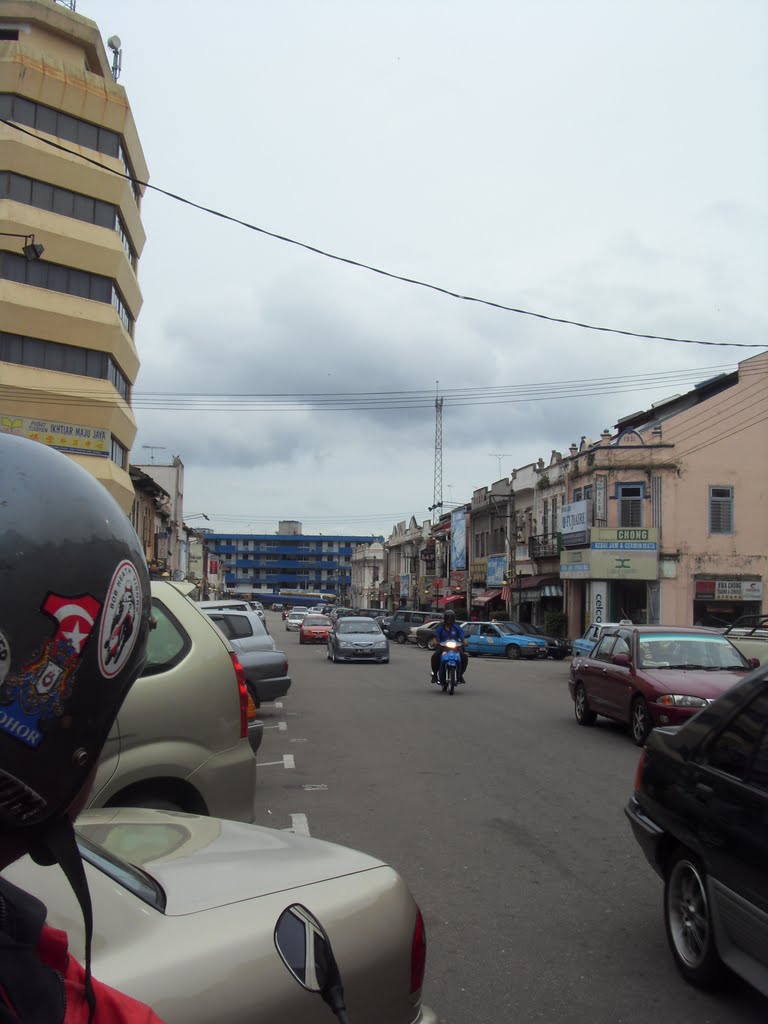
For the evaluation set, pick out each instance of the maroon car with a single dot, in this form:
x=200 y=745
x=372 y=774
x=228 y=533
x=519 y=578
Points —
x=654 y=675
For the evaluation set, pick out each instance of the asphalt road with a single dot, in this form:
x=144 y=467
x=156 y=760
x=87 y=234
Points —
x=505 y=818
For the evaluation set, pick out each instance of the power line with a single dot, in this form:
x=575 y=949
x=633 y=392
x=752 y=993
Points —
x=367 y=266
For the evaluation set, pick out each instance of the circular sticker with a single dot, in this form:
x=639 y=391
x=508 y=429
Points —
x=5 y=657
x=119 y=620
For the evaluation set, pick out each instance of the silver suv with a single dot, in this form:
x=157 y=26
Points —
x=181 y=740
x=402 y=622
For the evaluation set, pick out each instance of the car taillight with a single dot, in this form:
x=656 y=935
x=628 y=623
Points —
x=418 y=954
x=285 y=668
x=240 y=674
x=639 y=770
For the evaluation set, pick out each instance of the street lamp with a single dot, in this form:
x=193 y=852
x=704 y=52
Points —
x=31 y=249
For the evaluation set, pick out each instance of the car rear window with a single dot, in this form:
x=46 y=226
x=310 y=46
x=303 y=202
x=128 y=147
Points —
x=316 y=620
x=732 y=750
x=168 y=642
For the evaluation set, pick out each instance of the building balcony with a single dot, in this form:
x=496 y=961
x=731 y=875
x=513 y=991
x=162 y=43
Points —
x=544 y=546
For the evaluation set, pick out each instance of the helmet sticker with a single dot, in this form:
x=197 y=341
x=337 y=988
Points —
x=40 y=689
x=5 y=656
x=119 y=624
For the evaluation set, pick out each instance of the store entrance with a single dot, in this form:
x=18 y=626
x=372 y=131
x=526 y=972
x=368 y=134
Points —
x=629 y=600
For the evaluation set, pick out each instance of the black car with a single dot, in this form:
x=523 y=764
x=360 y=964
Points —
x=700 y=814
x=557 y=646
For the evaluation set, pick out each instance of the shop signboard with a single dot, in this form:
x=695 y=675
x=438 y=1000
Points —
x=479 y=570
x=624 y=554
x=496 y=570
x=73 y=438
x=599 y=509
x=458 y=580
x=575 y=564
x=459 y=539
x=575 y=520
x=729 y=590
x=598 y=601
x=405 y=587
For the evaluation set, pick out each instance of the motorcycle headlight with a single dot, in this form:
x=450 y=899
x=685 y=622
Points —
x=682 y=700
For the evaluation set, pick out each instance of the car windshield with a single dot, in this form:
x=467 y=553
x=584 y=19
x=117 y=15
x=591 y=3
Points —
x=510 y=628
x=316 y=620
x=533 y=629
x=688 y=651
x=346 y=626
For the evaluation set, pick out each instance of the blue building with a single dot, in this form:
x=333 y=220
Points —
x=280 y=563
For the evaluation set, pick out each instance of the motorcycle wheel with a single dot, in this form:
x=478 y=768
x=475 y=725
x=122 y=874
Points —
x=452 y=679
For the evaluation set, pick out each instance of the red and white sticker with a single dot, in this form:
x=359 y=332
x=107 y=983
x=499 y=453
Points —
x=120 y=620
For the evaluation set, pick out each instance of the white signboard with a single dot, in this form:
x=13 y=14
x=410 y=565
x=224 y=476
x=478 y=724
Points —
x=738 y=590
x=574 y=518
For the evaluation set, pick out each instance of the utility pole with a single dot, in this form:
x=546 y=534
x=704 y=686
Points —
x=437 y=488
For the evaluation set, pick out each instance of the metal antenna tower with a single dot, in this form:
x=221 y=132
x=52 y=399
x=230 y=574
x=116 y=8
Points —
x=154 y=448
x=437 y=490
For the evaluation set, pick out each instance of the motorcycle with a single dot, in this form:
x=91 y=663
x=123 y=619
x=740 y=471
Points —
x=450 y=665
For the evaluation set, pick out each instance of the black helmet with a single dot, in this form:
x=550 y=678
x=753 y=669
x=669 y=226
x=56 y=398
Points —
x=74 y=620
x=449 y=617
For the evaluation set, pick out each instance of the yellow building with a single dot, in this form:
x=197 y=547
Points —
x=68 y=359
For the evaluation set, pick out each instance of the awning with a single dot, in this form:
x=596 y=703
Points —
x=483 y=599
x=442 y=601
x=552 y=590
x=534 y=582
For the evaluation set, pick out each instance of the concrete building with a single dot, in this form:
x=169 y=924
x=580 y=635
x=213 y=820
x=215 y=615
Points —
x=367 y=575
x=150 y=515
x=286 y=563
x=405 y=582
x=491 y=543
x=171 y=542
x=67 y=351
x=665 y=520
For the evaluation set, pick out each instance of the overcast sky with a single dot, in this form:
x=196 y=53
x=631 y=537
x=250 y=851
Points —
x=599 y=161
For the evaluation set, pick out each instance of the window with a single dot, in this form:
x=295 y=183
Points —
x=577 y=492
x=57 y=278
x=732 y=750
x=119 y=454
x=545 y=518
x=167 y=644
x=50 y=355
x=239 y=626
x=630 y=504
x=70 y=204
x=554 y=517
x=64 y=126
x=759 y=773
x=604 y=649
x=721 y=510
x=588 y=492
x=621 y=647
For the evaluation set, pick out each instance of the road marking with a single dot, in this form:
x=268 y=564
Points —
x=298 y=741
x=299 y=825
x=279 y=704
x=267 y=764
x=288 y=761
x=314 y=786
x=282 y=726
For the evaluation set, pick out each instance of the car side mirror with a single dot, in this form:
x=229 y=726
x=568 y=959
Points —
x=621 y=659
x=754 y=662
x=306 y=951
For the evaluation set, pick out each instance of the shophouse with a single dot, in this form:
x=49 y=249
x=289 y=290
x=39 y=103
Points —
x=543 y=588
x=70 y=240
x=492 y=541
x=664 y=520
x=287 y=562
x=405 y=584
x=151 y=516
x=367 y=575
x=171 y=541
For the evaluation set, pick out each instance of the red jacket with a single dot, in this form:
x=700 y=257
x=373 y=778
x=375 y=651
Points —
x=40 y=983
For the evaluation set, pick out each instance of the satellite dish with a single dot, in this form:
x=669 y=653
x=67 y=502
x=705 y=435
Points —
x=114 y=42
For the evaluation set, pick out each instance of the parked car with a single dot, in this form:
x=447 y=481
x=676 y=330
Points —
x=497 y=638
x=383 y=621
x=403 y=621
x=424 y=635
x=646 y=676
x=585 y=644
x=265 y=667
x=232 y=604
x=179 y=897
x=750 y=635
x=243 y=625
x=278 y=606
x=181 y=740
x=314 y=629
x=357 y=639
x=699 y=813
x=294 y=619
x=558 y=647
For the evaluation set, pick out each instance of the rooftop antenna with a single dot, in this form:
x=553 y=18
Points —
x=116 y=47
x=154 y=448
x=500 y=456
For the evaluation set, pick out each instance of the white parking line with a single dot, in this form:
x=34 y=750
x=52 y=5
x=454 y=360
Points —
x=267 y=764
x=279 y=704
x=299 y=825
x=288 y=761
x=282 y=726
x=311 y=786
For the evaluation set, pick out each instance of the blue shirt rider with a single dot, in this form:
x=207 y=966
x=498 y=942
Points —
x=449 y=630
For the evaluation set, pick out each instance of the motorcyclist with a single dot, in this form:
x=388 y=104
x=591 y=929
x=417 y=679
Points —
x=448 y=630
x=68 y=556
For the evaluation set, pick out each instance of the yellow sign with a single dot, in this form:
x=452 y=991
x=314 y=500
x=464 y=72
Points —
x=614 y=554
x=75 y=439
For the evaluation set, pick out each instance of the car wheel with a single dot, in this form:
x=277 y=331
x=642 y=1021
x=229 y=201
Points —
x=328 y=653
x=559 y=656
x=401 y=638
x=581 y=708
x=301 y=639
x=640 y=723
x=688 y=920
x=422 y=644
x=512 y=652
x=431 y=644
